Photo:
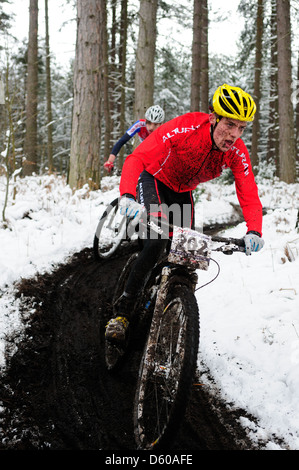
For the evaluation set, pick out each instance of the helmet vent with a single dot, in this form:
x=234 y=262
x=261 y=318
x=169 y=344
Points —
x=223 y=106
x=231 y=104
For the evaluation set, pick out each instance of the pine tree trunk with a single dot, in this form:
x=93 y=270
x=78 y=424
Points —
x=106 y=83
x=49 y=93
x=196 y=56
x=204 y=73
x=145 y=57
x=297 y=115
x=10 y=153
x=286 y=115
x=85 y=165
x=30 y=144
x=273 y=134
x=257 y=84
x=123 y=62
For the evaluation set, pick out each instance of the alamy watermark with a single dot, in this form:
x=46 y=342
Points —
x=158 y=223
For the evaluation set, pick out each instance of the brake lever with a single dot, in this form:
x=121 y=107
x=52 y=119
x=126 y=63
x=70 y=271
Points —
x=229 y=249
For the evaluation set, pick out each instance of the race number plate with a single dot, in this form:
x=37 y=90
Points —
x=190 y=248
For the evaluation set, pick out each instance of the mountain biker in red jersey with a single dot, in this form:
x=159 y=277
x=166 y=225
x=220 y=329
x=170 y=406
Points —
x=154 y=117
x=173 y=161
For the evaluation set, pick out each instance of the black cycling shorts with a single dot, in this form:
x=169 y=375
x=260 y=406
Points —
x=164 y=203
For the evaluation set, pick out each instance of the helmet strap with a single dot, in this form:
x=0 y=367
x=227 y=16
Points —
x=213 y=127
x=218 y=118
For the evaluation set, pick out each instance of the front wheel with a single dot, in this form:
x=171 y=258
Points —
x=110 y=233
x=167 y=370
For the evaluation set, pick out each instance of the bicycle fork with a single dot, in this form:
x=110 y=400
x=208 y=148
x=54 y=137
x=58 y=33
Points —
x=159 y=305
x=189 y=278
x=167 y=272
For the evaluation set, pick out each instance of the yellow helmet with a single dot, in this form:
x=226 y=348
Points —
x=233 y=102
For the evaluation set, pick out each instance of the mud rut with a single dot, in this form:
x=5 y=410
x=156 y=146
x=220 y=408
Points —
x=56 y=392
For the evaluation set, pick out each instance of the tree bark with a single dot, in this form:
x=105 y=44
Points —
x=199 y=99
x=273 y=134
x=257 y=84
x=49 y=93
x=204 y=73
x=286 y=114
x=106 y=85
x=123 y=62
x=85 y=165
x=30 y=144
x=297 y=115
x=145 y=57
x=196 y=56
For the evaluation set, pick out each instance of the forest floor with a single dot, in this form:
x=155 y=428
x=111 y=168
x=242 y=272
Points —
x=56 y=391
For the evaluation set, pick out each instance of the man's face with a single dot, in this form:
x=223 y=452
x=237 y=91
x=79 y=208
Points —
x=227 y=131
x=151 y=126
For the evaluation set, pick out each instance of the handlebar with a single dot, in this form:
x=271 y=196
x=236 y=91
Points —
x=230 y=244
x=236 y=241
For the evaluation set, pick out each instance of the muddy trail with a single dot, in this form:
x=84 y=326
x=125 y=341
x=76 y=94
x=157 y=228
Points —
x=56 y=392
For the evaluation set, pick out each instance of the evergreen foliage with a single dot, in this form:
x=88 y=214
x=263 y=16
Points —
x=172 y=78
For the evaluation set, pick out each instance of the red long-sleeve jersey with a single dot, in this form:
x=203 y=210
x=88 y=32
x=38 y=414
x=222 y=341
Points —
x=180 y=154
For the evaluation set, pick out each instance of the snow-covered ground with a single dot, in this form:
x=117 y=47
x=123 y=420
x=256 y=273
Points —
x=249 y=314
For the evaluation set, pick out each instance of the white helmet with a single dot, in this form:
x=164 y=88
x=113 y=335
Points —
x=154 y=114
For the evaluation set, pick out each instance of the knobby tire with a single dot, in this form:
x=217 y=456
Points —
x=108 y=236
x=167 y=370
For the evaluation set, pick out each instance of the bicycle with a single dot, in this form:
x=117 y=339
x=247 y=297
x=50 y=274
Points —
x=167 y=303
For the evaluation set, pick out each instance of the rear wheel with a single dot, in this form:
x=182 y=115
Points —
x=167 y=370
x=110 y=233
x=114 y=353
